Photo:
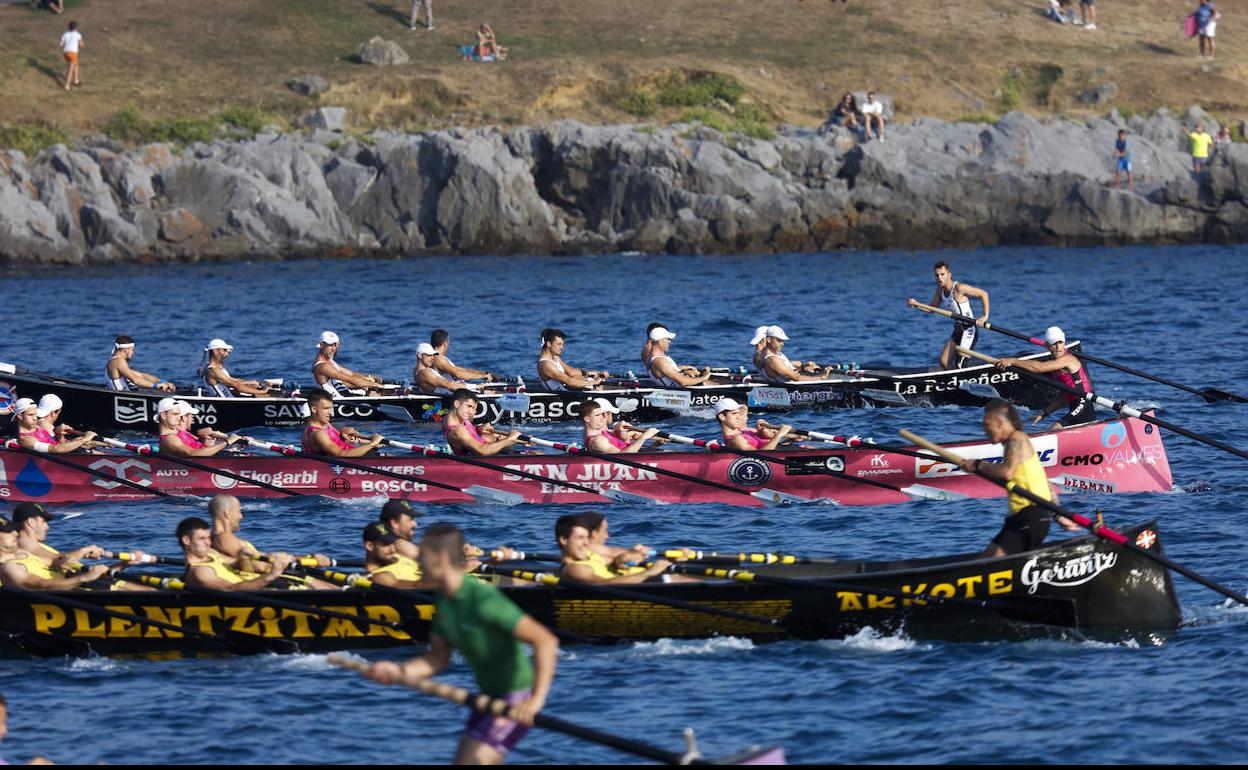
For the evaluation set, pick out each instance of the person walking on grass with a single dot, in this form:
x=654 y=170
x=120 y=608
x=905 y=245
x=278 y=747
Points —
x=428 y=6
x=1087 y=9
x=71 y=44
x=1123 y=154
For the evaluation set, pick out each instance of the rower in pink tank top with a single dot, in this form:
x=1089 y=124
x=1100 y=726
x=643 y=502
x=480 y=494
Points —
x=42 y=434
x=472 y=431
x=611 y=438
x=189 y=439
x=756 y=441
x=1079 y=381
x=331 y=432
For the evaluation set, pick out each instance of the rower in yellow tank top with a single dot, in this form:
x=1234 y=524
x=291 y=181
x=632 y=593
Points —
x=401 y=568
x=597 y=565
x=1028 y=523
x=598 y=559
x=223 y=567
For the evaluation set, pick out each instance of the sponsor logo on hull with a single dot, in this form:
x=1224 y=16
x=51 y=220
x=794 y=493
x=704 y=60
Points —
x=935 y=468
x=749 y=472
x=1066 y=572
x=129 y=469
x=812 y=465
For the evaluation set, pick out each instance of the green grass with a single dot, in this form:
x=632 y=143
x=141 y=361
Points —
x=130 y=125
x=977 y=117
x=1012 y=88
x=31 y=138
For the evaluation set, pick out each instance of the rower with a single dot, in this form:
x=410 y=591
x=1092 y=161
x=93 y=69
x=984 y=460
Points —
x=213 y=374
x=556 y=374
x=734 y=420
x=384 y=563
x=336 y=379
x=440 y=341
x=400 y=518
x=582 y=564
x=429 y=379
x=121 y=377
x=777 y=368
x=595 y=415
x=1028 y=524
x=50 y=406
x=615 y=557
x=648 y=349
x=35 y=437
x=21 y=567
x=490 y=631
x=955 y=297
x=464 y=437
x=759 y=341
x=664 y=369
x=208 y=568
x=1065 y=368
x=320 y=437
x=176 y=438
x=227 y=520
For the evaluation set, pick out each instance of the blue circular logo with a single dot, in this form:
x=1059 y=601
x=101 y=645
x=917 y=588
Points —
x=8 y=395
x=1114 y=434
x=749 y=472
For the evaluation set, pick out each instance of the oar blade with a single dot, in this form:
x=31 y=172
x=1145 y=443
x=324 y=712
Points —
x=776 y=497
x=620 y=496
x=492 y=495
x=884 y=396
x=1213 y=395
x=925 y=492
x=394 y=412
x=980 y=389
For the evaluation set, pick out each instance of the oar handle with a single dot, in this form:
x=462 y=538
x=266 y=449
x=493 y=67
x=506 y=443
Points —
x=142 y=449
x=846 y=440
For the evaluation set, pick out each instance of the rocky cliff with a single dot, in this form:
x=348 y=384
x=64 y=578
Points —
x=569 y=188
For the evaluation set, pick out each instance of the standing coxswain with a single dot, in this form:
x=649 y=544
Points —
x=955 y=297
x=217 y=379
x=320 y=437
x=1028 y=523
x=595 y=416
x=1065 y=368
x=336 y=379
x=490 y=632
x=440 y=341
x=734 y=420
x=121 y=377
x=556 y=374
x=37 y=438
x=464 y=437
x=176 y=438
x=429 y=378
x=776 y=366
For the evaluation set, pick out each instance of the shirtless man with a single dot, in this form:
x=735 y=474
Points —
x=955 y=297
x=121 y=377
x=557 y=374
x=217 y=379
x=429 y=378
x=336 y=379
x=440 y=341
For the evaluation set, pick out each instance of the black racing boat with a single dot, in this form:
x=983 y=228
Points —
x=1083 y=584
x=92 y=406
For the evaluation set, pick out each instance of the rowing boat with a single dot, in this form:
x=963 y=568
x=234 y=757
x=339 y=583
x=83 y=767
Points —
x=94 y=407
x=1082 y=583
x=1111 y=456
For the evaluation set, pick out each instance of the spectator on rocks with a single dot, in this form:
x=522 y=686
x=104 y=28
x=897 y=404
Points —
x=1087 y=9
x=428 y=6
x=1123 y=156
x=847 y=113
x=1206 y=26
x=1222 y=140
x=71 y=44
x=872 y=112
x=1201 y=140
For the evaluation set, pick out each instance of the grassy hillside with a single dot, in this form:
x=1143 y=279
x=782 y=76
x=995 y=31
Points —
x=597 y=61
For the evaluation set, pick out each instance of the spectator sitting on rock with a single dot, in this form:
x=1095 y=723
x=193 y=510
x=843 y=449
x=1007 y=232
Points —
x=873 y=112
x=1061 y=12
x=1200 y=147
x=846 y=113
x=1123 y=153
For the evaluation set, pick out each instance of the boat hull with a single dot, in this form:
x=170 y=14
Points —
x=1106 y=590
x=1110 y=457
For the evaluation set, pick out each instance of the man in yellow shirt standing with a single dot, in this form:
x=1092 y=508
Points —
x=1201 y=141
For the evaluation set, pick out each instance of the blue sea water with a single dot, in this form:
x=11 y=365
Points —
x=870 y=698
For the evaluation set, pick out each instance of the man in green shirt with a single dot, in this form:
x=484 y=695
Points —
x=490 y=632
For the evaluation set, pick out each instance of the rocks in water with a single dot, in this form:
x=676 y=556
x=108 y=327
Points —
x=379 y=52
x=571 y=188
x=308 y=85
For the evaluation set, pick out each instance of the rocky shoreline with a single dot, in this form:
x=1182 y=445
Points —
x=575 y=189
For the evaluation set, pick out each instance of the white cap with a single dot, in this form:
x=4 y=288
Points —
x=425 y=349
x=49 y=404
x=727 y=405
x=606 y=406
x=328 y=338
x=659 y=333
x=219 y=344
x=759 y=334
x=185 y=408
x=1054 y=334
x=22 y=405
x=165 y=404
x=777 y=332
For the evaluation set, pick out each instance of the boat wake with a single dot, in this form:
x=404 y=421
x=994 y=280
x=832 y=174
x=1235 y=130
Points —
x=870 y=640
x=670 y=647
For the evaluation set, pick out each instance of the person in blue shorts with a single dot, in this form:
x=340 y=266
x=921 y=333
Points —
x=1123 y=153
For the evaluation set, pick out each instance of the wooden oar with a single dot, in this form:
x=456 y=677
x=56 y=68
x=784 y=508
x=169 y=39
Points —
x=479 y=493
x=13 y=446
x=768 y=496
x=1057 y=612
x=487 y=704
x=1118 y=406
x=1097 y=529
x=146 y=451
x=1209 y=394
x=611 y=494
x=916 y=491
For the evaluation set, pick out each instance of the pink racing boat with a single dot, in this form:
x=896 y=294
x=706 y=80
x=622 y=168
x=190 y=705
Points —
x=1111 y=456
